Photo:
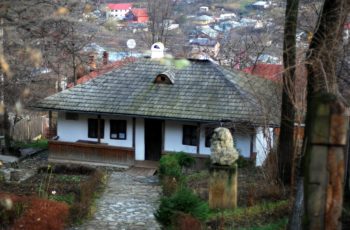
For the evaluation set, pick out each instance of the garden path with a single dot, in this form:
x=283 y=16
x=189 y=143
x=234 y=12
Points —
x=127 y=203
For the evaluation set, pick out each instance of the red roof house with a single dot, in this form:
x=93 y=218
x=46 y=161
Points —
x=267 y=71
x=119 y=6
x=140 y=15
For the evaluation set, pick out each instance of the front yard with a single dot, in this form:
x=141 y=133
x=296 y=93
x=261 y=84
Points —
x=262 y=203
x=56 y=196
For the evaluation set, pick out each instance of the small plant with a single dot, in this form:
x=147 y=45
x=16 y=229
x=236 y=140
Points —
x=45 y=183
x=185 y=201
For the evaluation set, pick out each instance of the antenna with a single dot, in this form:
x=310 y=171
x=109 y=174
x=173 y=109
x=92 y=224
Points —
x=131 y=43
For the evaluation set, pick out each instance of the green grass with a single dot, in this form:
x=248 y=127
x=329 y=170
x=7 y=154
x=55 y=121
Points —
x=279 y=224
x=261 y=214
x=69 y=178
x=34 y=144
x=67 y=198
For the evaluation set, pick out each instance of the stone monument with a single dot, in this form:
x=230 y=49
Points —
x=223 y=170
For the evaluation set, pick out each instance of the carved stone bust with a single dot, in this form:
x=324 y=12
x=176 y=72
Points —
x=223 y=152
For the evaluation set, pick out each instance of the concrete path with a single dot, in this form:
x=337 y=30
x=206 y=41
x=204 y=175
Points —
x=127 y=203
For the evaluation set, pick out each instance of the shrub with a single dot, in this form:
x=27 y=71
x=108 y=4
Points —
x=42 y=214
x=185 y=160
x=88 y=191
x=169 y=166
x=185 y=201
x=243 y=162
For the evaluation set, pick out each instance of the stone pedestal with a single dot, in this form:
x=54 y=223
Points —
x=223 y=186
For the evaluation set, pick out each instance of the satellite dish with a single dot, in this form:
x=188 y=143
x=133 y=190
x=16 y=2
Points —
x=131 y=43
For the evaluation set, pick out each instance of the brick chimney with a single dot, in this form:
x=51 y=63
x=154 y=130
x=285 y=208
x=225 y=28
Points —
x=92 y=62
x=105 y=58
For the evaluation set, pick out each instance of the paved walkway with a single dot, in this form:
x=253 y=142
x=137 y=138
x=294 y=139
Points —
x=127 y=203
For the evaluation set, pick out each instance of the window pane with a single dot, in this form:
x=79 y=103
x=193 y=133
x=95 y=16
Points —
x=118 y=129
x=92 y=128
x=189 y=136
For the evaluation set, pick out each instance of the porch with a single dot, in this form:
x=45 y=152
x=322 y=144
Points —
x=91 y=153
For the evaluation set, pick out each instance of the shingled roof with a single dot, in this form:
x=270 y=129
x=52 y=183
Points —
x=202 y=91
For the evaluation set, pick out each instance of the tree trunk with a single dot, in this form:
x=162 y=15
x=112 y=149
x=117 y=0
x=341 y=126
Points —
x=286 y=140
x=326 y=125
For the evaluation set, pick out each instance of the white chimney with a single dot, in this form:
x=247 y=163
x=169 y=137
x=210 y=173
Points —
x=157 y=50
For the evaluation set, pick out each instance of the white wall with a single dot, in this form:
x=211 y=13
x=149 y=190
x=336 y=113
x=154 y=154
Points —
x=264 y=142
x=74 y=130
x=140 y=139
x=242 y=141
x=173 y=137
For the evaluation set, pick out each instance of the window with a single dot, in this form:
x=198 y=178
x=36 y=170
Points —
x=92 y=128
x=118 y=129
x=208 y=135
x=189 y=135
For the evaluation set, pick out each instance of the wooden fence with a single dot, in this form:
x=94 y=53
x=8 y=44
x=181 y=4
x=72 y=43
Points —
x=27 y=129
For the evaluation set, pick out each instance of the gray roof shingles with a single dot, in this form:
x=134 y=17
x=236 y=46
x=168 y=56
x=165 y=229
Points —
x=203 y=91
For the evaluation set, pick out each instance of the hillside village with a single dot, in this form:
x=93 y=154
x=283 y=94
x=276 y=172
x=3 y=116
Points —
x=174 y=114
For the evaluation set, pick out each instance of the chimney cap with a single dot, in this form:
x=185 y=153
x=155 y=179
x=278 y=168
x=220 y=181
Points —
x=157 y=50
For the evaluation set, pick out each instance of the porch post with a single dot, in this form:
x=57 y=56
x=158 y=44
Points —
x=163 y=136
x=49 y=134
x=198 y=136
x=99 y=129
x=133 y=131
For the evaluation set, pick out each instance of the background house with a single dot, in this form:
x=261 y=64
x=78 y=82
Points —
x=205 y=45
x=138 y=15
x=118 y=10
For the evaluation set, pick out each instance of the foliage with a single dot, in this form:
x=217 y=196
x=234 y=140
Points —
x=89 y=191
x=69 y=178
x=280 y=224
x=43 y=214
x=43 y=190
x=262 y=212
x=185 y=201
x=185 y=160
x=243 y=162
x=169 y=166
x=67 y=198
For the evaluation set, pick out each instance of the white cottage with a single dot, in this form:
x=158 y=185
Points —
x=157 y=106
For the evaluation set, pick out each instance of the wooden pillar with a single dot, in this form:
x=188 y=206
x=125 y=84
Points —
x=99 y=129
x=163 y=137
x=223 y=186
x=133 y=131
x=50 y=131
x=198 y=136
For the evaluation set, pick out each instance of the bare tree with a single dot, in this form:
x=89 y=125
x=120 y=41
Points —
x=160 y=12
x=286 y=140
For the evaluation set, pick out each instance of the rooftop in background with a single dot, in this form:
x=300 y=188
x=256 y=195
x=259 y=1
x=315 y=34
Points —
x=268 y=71
x=102 y=70
x=203 y=42
x=119 y=6
x=140 y=12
